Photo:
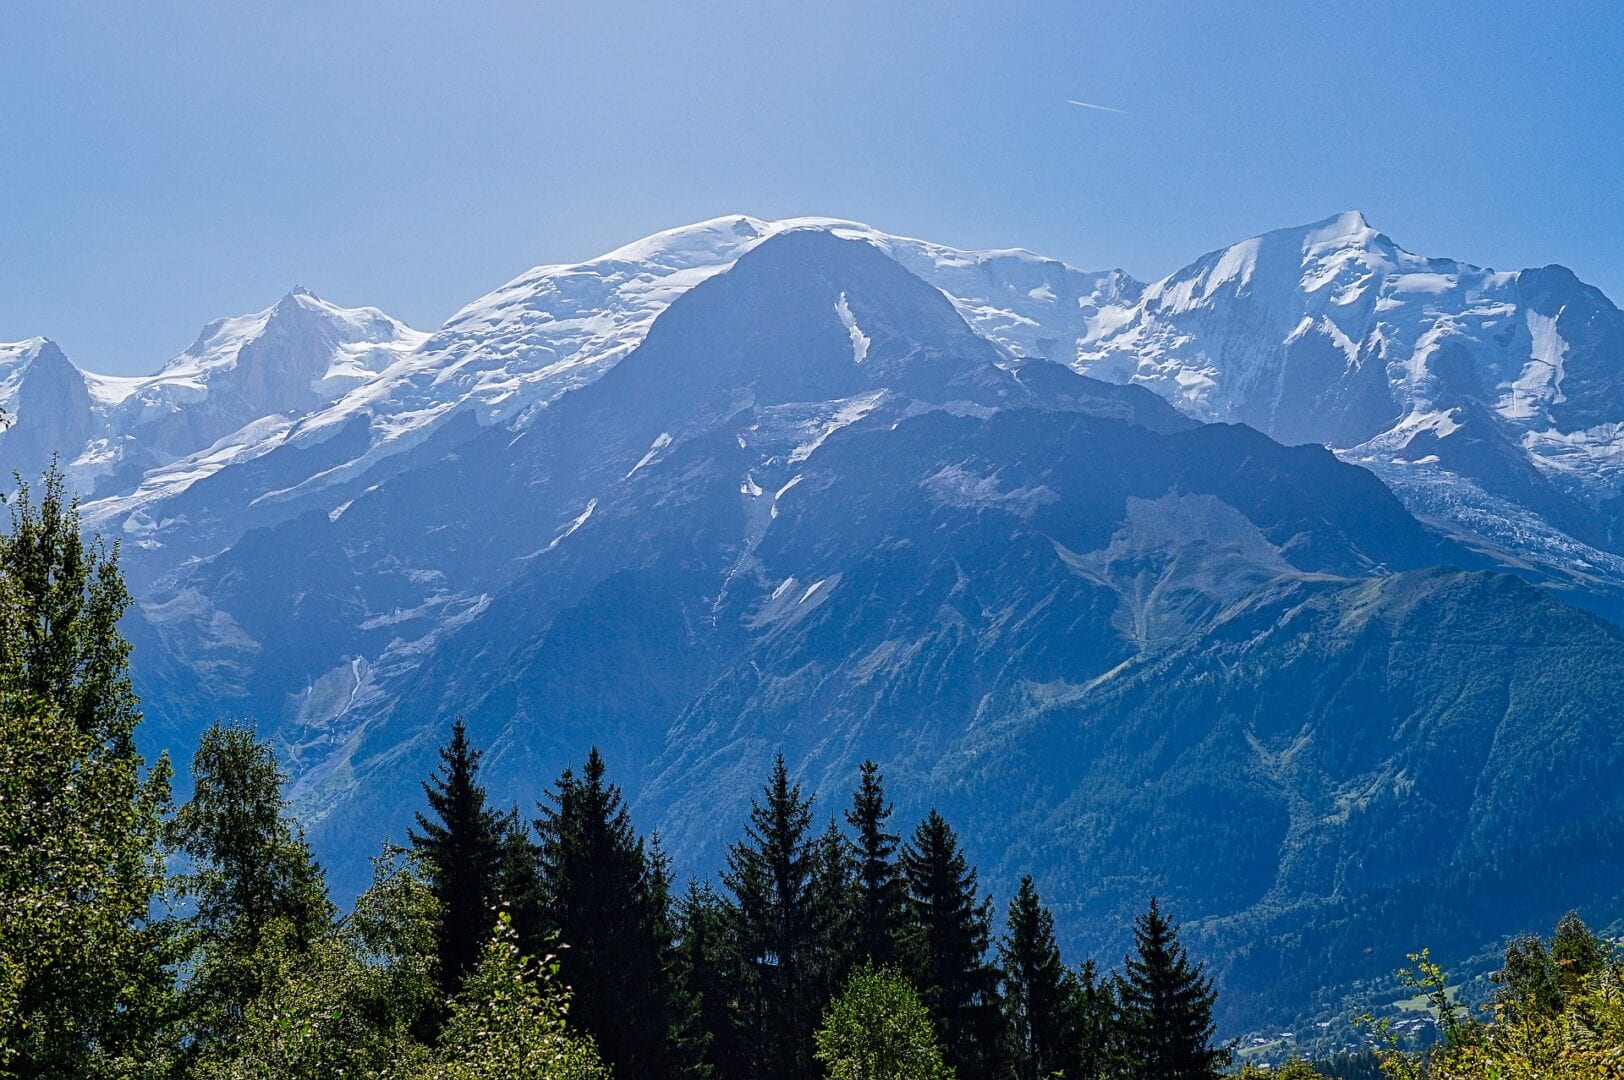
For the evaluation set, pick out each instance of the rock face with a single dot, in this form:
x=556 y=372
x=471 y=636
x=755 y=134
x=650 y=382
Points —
x=757 y=486
x=1488 y=400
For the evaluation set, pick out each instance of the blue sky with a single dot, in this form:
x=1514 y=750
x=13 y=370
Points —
x=163 y=165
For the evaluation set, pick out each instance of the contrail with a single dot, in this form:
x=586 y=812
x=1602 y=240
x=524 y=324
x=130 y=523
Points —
x=1101 y=108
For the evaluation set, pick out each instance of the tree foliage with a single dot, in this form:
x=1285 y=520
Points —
x=878 y=1029
x=605 y=895
x=1165 y=1003
x=946 y=940
x=770 y=873
x=1044 y=1005
x=509 y=1020
x=259 y=898
x=85 y=953
x=877 y=915
x=1558 y=1014
x=461 y=847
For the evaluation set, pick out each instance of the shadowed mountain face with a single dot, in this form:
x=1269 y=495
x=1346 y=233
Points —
x=751 y=488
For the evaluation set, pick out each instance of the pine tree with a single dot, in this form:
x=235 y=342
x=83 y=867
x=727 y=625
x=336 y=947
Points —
x=606 y=896
x=712 y=1044
x=260 y=897
x=518 y=883
x=770 y=873
x=946 y=946
x=834 y=889
x=1165 y=1005
x=461 y=851
x=877 y=917
x=1094 y=1012
x=1040 y=995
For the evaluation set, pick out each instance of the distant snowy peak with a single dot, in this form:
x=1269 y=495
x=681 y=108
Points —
x=561 y=325
x=292 y=358
x=37 y=377
x=1331 y=332
x=301 y=347
x=1488 y=398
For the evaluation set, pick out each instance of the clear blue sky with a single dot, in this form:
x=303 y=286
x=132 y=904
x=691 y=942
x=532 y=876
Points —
x=165 y=164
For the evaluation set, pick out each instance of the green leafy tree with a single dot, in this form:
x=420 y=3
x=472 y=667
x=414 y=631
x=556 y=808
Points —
x=59 y=612
x=877 y=916
x=1558 y=1014
x=1577 y=953
x=346 y=1006
x=770 y=873
x=460 y=843
x=1529 y=985
x=878 y=1029
x=606 y=895
x=510 y=1020
x=259 y=897
x=1166 y=1006
x=85 y=948
x=947 y=939
x=1041 y=998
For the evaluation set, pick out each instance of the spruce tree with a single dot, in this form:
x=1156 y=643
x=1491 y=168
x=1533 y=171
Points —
x=770 y=873
x=1094 y=1012
x=1040 y=995
x=461 y=851
x=606 y=895
x=518 y=883
x=1165 y=1006
x=877 y=915
x=833 y=891
x=946 y=947
x=711 y=1042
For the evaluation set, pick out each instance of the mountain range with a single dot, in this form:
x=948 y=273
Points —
x=1257 y=587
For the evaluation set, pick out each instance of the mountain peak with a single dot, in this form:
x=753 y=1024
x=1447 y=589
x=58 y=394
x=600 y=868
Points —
x=298 y=301
x=1349 y=229
x=14 y=352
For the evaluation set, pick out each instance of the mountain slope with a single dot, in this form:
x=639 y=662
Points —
x=812 y=511
x=1489 y=400
x=553 y=329
x=240 y=379
x=753 y=486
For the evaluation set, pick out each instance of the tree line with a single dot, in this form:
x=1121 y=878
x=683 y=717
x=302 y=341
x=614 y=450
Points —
x=757 y=977
x=144 y=939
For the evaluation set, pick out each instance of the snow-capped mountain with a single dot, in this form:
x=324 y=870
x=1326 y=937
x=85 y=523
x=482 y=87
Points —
x=801 y=485
x=555 y=328
x=260 y=371
x=1491 y=400
x=813 y=510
